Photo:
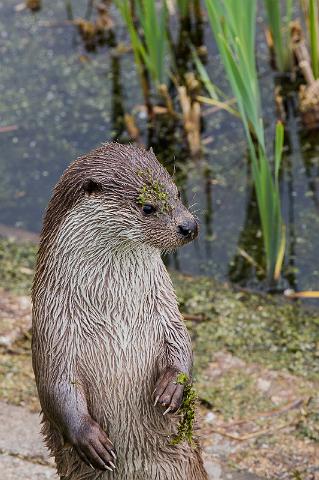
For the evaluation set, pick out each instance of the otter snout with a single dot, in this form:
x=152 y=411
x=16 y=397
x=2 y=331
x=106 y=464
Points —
x=188 y=229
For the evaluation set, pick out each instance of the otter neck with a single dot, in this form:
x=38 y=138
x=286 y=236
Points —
x=86 y=254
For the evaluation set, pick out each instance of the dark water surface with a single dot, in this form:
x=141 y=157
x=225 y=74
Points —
x=62 y=101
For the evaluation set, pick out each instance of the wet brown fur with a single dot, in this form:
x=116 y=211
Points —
x=106 y=323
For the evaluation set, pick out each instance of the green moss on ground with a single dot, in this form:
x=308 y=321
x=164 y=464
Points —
x=17 y=261
x=255 y=328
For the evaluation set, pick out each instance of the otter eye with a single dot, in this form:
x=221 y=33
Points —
x=148 y=209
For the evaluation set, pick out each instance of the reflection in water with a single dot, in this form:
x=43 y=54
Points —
x=290 y=270
x=69 y=10
x=191 y=31
x=117 y=109
x=208 y=212
x=248 y=262
x=310 y=157
x=89 y=9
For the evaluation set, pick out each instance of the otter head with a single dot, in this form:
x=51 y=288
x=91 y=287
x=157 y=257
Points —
x=123 y=196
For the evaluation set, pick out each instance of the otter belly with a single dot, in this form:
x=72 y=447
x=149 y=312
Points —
x=118 y=365
x=119 y=373
x=119 y=368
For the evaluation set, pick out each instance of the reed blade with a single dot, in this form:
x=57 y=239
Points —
x=313 y=31
x=233 y=25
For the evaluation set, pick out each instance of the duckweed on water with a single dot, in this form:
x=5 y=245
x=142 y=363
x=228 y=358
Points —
x=186 y=425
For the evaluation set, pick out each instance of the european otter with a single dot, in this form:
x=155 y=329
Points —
x=108 y=338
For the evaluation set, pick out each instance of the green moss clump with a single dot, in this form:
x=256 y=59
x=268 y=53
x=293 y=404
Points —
x=153 y=191
x=186 y=425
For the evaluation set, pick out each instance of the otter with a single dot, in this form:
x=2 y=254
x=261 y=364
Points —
x=108 y=337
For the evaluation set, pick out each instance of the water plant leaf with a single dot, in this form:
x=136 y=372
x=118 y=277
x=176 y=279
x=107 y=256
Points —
x=150 y=41
x=208 y=84
x=280 y=32
x=313 y=31
x=233 y=24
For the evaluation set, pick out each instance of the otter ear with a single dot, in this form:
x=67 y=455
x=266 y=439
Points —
x=91 y=186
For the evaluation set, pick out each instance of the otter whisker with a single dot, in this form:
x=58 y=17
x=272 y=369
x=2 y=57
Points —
x=192 y=205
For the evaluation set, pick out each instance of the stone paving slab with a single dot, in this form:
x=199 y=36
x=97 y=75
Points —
x=19 y=433
x=13 y=468
x=217 y=472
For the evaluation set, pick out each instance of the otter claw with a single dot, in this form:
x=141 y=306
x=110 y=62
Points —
x=112 y=464
x=113 y=454
x=156 y=400
x=167 y=410
x=108 y=468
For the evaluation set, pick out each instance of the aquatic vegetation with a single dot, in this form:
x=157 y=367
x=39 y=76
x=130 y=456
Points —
x=183 y=7
x=233 y=25
x=33 y=5
x=147 y=30
x=94 y=32
x=148 y=27
x=312 y=11
x=280 y=32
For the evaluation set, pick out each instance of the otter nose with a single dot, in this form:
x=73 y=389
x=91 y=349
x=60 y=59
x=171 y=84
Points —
x=188 y=228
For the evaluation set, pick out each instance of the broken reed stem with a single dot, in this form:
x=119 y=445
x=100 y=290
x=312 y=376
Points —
x=191 y=120
x=301 y=52
x=131 y=127
x=163 y=91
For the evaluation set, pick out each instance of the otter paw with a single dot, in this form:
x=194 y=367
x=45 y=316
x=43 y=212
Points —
x=168 y=393
x=93 y=446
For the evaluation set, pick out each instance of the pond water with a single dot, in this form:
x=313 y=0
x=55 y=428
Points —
x=58 y=101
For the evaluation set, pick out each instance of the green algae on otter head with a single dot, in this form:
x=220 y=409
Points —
x=186 y=425
x=152 y=191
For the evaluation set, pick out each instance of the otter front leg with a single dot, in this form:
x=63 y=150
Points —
x=168 y=392
x=65 y=407
x=92 y=444
x=178 y=352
